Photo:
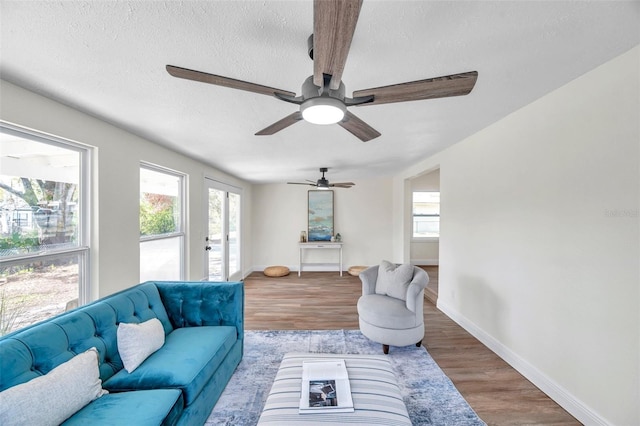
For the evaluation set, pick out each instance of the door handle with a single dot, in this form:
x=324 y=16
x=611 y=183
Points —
x=207 y=248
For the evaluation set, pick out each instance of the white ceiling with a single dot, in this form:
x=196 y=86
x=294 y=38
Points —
x=108 y=58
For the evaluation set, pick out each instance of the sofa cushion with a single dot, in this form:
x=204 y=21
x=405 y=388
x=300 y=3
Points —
x=139 y=304
x=190 y=305
x=383 y=311
x=54 y=397
x=394 y=280
x=187 y=361
x=139 y=408
x=137 y=341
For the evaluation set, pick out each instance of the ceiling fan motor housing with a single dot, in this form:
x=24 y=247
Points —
x=310 y=90
x=323 y=183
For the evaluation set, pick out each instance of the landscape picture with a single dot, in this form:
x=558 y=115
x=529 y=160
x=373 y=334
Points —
x=320 y=215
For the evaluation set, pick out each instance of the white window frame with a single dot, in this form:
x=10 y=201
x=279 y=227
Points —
x=82 y=250
x=413 y=216
x=182 y=223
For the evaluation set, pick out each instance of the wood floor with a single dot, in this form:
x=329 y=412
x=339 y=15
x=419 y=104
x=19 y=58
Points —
x=497 y=393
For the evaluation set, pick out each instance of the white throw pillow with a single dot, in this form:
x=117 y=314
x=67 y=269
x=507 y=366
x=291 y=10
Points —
x=137 y=341
x=394 y=280
x=54 y=397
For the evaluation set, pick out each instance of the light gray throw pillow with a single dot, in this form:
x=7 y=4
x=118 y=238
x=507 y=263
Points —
x=137 y=341
x=394 y=280
x=54 y=397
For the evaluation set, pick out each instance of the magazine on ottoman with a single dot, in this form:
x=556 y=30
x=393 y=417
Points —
x=325 y=387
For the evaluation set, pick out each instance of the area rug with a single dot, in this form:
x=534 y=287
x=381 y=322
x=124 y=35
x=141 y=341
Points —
x=429 y=395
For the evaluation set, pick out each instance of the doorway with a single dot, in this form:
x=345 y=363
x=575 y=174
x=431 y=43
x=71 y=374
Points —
x=425 y=229
x=222 y=240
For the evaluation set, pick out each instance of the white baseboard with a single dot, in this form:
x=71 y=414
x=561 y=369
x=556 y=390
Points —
x=316 y=267
x=556 y=392
x=424 y=262
x=260 y=268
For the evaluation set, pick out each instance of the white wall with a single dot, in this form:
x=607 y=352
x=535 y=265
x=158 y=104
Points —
x=362 y=217
x=115 y=225
x=425 y=252
x=539 y=247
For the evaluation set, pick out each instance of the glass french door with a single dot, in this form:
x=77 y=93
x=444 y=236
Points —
x=222 y=241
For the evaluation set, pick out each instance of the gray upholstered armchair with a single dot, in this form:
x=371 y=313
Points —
x=390 y=309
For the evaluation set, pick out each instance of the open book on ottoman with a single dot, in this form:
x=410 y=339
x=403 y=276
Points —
x=325 y=387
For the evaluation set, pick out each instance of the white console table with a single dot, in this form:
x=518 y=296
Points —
x=320 y=246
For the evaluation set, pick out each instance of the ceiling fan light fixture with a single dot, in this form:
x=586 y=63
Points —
x=322 y=184
x=323 y=110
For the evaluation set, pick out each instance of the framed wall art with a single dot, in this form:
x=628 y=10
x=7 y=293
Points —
x=320 y=208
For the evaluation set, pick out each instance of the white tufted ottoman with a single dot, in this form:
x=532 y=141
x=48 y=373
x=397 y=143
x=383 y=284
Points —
x=374 y=389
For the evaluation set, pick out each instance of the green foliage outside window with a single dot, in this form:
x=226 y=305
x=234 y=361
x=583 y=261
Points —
x=157 y=214
x=16 y=240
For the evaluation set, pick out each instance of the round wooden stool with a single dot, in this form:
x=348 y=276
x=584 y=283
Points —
x=355 y=270
x=276 y=271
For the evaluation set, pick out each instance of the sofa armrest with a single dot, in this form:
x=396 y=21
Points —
x=197 y=303
x=369 y=277
x=415 y=290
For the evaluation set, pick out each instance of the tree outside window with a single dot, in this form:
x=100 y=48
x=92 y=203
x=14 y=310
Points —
x=42 y=247
x=157 y=214
x=161 y=224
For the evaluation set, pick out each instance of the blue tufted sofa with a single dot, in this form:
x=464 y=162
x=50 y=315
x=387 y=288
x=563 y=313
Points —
x=178 y=384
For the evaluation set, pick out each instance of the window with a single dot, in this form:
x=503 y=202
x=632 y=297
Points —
x=161 y=224
x=44 y=243
x=426 y=215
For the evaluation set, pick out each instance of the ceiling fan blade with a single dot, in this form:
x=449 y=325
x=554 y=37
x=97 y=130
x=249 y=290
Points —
x=334 y=22
x=218 y=80
x=343 y=184
x=281 y=124
x=358 y=128
x=432 y=88
x=301 y=183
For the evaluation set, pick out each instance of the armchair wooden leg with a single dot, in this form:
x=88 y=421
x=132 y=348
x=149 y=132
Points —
x=419 y=344
x=385 y=349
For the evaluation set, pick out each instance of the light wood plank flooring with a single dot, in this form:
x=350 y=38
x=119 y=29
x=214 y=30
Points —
x=326 y=301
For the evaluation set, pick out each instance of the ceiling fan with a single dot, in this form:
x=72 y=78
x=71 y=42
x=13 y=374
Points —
x=323 y=183
x=322 y=99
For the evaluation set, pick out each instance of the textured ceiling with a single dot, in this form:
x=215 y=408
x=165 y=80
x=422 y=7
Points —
x=108 y=58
